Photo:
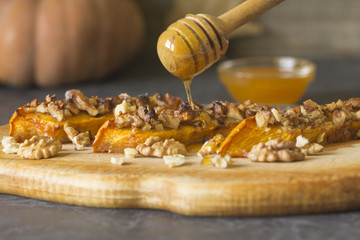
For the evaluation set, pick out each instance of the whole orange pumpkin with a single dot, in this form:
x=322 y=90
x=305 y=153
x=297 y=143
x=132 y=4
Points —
x=52 y=42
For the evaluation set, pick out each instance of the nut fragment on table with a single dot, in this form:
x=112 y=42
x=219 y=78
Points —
x=10 y=145
x=276 y=150
x=210 y=146
x=306 y=147
x=217 y=160
x=174 y=160
x=39 y=147
x=80 y=140
x=221 y=161
x=117 y=160
x=155 y=147
x=312 y=149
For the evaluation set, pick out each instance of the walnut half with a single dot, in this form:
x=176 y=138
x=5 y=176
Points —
x=155 y=147
x=276 y=150
x=39 y=147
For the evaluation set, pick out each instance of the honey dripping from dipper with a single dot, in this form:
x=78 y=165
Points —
x=187 y=85
x=186 y=50
x=192 y=44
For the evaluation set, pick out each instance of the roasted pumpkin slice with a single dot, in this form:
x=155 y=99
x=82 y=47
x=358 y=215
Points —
x=111 y=138
x=324 y=124
x=168 y=118
x=24 y=125
x=48 y=118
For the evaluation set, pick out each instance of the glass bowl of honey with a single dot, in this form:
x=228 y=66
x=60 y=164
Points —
x=269 y=80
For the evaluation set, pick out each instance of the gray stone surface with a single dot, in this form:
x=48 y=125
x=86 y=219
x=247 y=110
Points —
x=30 y=219
x=22 y=218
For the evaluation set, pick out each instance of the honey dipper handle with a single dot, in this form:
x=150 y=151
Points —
x=245 y=12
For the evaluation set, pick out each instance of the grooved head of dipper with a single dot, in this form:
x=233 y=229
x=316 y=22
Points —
x=191 y=45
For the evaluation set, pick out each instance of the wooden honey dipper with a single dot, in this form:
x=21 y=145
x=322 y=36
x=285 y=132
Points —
x=194 y=43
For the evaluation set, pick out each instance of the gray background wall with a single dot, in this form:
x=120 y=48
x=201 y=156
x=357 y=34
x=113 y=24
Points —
x=317 y=29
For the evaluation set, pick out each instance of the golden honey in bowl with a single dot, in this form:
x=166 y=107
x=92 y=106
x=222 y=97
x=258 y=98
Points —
x=274 y=80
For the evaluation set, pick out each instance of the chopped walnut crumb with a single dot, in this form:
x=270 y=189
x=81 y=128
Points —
x=124 y=96
x=169 y=121
x=39 y=147
x=146 y=127
x=186 y=114
x=218 y=107
x=71 y=107
x=264 y=117
x=174 y=160
x=301 y=141
x=10 y=145
x=310 y=103
x=80 y=140
x=312 y=148
x=29 y=109
x=142 y=100
x=331 y=106
x=355 y=102
x=155 y=147
x=55 y=111
x=172 y=101
x=124 y=107
x=339 y=104
x=124 y=121
x=210 y=146
x=117 y=160
x=221 y=161
x=147 y=114
x=309 y=148
x=233 y=114
x=80 y=101
x=51 y=98
x=151 y=140
x=217 y=160
x=42 y=108
x=339 y=117
x=276 y=114
x=70 y=131
x=276 y=150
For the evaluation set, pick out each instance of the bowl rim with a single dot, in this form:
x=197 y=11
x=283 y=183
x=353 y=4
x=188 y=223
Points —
x=265 y=61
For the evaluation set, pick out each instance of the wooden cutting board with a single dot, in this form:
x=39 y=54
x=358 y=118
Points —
x=328 y=182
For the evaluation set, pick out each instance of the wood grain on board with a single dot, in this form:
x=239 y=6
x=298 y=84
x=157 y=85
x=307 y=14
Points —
x=327 y=182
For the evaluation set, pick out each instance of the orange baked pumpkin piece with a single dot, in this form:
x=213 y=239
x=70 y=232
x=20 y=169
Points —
x=168 y=118
x=48 y=118
x=323 y=124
